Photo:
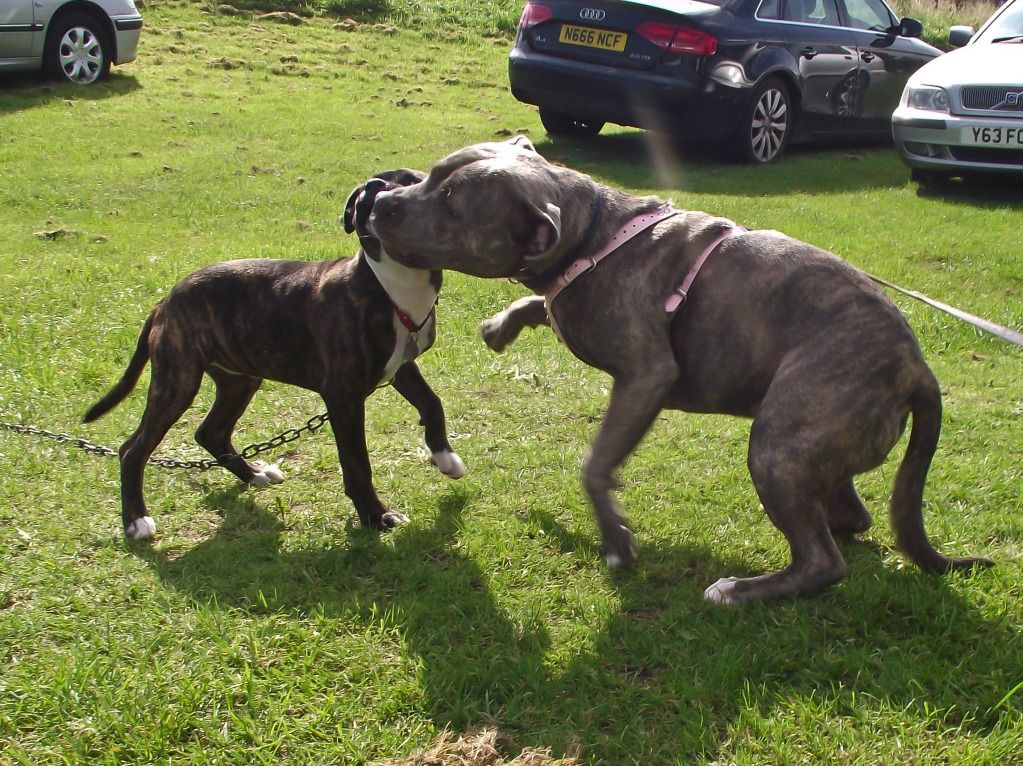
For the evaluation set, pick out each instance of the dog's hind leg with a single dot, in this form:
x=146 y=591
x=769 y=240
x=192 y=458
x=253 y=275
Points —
x=173 y=385
x=234 y=392
x=785 y=484
x=410 y=383
x=846 y=512
x=795 y=463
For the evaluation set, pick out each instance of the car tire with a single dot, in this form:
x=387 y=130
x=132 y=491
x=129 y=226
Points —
x=767 y=124
x=559 y=124
x=78 y=49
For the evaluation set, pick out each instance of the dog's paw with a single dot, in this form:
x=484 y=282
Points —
x=141 y=529
x=620 y=553
x=492 y=332
x=392 y=519
x=265 y=473
x=449 y=464
x=722 y=592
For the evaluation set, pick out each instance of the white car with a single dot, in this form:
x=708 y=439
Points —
x=963 y=111
x=74 y=41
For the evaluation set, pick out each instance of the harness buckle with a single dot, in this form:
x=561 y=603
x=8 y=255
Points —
x=676 y=300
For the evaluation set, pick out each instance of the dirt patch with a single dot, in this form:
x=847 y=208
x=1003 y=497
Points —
x=477 y=749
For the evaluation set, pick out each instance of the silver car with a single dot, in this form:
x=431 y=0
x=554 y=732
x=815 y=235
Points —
x=963 y=111
x=74 y=41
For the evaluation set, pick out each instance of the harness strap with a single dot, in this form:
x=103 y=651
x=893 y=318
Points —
x=585 y=264
x=679 y=296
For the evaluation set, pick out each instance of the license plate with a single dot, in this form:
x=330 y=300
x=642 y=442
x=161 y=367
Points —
x=1008 y=137
x=592 y=38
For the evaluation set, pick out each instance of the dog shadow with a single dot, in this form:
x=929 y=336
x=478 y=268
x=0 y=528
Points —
x=663 y=677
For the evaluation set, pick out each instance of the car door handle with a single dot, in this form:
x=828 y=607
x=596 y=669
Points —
x=867 y=56
x=808 y=53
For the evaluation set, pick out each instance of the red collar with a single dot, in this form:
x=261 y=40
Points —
x=408 y=321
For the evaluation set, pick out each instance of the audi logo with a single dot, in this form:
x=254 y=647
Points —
x=592 y=14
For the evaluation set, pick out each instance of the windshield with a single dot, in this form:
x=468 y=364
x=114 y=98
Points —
x=1007 y=27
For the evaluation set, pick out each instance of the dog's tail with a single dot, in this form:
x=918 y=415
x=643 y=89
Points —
x=907 y=498
x=130 y=377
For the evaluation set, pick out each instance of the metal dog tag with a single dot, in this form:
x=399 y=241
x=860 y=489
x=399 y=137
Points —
x=412 y=347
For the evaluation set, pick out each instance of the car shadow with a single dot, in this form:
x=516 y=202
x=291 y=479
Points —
x=990 y=191
x=649 y=160
x=663 y=677
x=27 y=90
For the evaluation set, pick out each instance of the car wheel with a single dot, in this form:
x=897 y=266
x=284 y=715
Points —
x=926 y=177
x=78 y=50
x=767 y=124
x=558 y=124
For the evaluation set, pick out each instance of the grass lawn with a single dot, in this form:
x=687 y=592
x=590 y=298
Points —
x=264 y=626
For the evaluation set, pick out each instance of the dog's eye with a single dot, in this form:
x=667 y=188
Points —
x=447 y=200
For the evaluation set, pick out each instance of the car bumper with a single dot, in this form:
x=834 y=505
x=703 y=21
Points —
x=127 y=31
x=935 y=141
x=679 y=101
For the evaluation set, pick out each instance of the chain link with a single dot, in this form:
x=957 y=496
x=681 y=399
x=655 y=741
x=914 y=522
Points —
x=312 y=425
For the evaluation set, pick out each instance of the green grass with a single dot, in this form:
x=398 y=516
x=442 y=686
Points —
x=266 y=627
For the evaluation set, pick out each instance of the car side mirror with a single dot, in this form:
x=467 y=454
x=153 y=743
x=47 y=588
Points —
x=958 y=36
x=910 y=28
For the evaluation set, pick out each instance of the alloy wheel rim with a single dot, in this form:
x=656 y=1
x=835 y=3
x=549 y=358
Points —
x=770 y=124
x=81 y=55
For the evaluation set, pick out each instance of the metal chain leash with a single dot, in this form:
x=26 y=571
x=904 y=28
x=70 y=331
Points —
x=312 y=425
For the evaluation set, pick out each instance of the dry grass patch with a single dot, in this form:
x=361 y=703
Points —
x=478 y=748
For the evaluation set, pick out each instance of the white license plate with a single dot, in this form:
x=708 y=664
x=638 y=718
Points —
x=1011 y=138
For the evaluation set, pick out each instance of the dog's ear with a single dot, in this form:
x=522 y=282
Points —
x=401 y=176
x=537 y=231
x=391 y=178
x=522 y=143
x=348 y=219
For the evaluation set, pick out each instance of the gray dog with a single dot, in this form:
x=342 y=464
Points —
x=775 y=329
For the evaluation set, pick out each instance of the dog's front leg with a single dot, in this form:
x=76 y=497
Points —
x=635 y=403
x=410 y=383
x=505 y=326
x=348 y=420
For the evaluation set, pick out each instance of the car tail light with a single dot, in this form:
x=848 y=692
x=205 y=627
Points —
x=678 y=39
x=533 y=14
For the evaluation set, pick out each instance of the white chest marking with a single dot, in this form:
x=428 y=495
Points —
x=412 y=291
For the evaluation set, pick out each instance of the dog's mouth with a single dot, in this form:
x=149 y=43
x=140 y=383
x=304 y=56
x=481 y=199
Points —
x=411 y=260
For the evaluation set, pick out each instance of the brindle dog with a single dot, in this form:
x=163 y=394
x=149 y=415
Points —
x=340 y=328
x=773 y=329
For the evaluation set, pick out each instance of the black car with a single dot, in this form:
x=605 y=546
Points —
x=749 y=75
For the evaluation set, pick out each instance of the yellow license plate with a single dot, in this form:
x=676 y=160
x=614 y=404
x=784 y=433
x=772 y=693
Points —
x=593 y=38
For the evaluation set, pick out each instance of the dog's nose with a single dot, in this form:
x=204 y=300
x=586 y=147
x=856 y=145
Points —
x=383 y=207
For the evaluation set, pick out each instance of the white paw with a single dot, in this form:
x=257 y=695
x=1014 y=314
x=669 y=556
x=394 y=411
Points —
x=267 y=474
x=449 y=464
x=613 y=561
x=141 y=529
x=722 y=592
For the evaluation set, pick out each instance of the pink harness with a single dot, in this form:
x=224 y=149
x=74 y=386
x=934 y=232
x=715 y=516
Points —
x=636 y=226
